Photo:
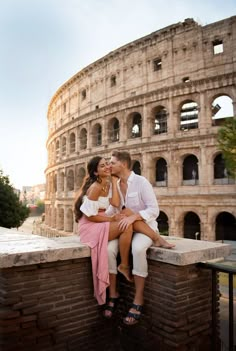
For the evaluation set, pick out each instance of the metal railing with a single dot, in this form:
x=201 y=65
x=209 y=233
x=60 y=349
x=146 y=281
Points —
x=231 y=271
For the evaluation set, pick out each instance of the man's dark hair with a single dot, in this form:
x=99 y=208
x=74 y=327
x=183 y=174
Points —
x=123 y=156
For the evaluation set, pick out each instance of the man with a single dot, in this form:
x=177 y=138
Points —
x=137 y=194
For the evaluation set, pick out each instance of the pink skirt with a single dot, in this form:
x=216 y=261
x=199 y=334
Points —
x=95 y=235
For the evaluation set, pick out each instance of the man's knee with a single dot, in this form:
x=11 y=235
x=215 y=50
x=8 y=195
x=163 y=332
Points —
x=140 y=244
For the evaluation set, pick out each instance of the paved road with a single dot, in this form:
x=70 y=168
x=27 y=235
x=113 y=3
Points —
x=27 y=226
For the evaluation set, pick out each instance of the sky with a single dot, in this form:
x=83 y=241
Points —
x=43 y=43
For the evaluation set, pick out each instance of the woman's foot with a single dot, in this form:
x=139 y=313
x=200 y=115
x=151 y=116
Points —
x=125 y=270
x=133 y=315
x=110 y=307
x=160 y=242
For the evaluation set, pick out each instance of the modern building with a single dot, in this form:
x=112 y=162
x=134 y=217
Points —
x=163 y=98
x=32 y=194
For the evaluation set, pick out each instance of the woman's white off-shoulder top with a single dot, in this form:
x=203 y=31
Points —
x=91 y=207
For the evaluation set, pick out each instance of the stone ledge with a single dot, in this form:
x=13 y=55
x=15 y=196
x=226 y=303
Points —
x=17 y=249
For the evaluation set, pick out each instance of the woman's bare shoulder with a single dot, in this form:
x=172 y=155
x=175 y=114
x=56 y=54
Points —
x=94 y=191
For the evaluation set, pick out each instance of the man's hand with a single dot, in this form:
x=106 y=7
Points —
x=126 y=221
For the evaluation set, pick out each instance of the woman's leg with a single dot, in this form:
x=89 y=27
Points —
x=143 y=227
x=125 y=239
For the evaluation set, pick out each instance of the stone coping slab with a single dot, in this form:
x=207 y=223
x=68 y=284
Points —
x=20 y=249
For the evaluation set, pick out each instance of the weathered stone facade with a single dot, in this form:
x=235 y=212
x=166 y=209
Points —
x=156 y=98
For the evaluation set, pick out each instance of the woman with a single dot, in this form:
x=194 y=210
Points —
x=98 y=191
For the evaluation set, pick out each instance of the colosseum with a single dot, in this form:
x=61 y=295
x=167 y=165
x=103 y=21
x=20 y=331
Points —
x=163 y=98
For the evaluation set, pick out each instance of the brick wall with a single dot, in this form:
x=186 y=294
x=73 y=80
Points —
x=45 y=307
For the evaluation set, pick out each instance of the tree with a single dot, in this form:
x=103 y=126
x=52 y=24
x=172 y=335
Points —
x=12 y=212
x=41 y=206
x=227 y=143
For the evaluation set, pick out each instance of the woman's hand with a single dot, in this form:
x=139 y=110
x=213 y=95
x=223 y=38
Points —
x=114 y=179
x=117 y=217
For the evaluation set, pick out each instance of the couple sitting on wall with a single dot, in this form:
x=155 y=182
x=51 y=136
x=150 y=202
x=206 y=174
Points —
x=116 y=209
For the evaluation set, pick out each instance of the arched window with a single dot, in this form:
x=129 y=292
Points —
x=70 y=180
x=221 y=175
x=97 y=135
x=220 y=170
x=190 y=170
x=136 y=127
x=160 y=121
x=114 y=130
x=63 y=150
x=161 y=172
x=192 y=229
x=222 y=108
x=72 y=143
x=83 y=139
x=163 y=225
x=137 y=167
x=225 y=226
x=80 y=177
x=189 y=116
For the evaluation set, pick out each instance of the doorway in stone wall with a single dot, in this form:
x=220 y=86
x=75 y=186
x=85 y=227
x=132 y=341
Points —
x=225 y=226
x=192 y=228
x=163 y=225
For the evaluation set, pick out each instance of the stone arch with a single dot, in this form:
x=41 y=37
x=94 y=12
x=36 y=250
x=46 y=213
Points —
x=221 y=175
x=69 y=220
x=220 y=171
x=57 y=150
x=113 y=130
x=60 y=219
x=63 y=146
x=80 y=176
x=97 y=135
x=55 y=182
x=188 y=115
x=47 y=215
x=61 y=181
x=190 y=170
x=161 y=171
x=51 y=181
x=72 y=142
x=136 y=167
x=225 y=226
x=192 y=226
x=52 y=158
x=159 y=120
x=54 y=217
x=163 y=224
x=70 y=180
x=83 y=139
x=135 y=125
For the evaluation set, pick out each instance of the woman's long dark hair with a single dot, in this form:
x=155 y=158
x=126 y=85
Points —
x=89 y=179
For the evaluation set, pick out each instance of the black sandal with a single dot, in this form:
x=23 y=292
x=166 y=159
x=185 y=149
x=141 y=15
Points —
x=136 y=316
x=112 y=309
